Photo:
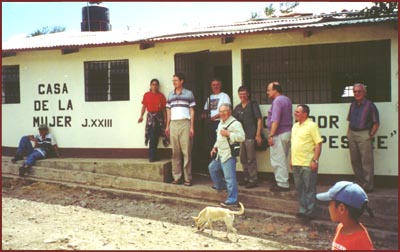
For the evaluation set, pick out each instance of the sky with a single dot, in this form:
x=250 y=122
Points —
x=19 y=19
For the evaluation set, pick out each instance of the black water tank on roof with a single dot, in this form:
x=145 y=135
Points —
x=95 y=17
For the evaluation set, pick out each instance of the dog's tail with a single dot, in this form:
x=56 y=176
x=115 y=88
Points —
x=241 y=211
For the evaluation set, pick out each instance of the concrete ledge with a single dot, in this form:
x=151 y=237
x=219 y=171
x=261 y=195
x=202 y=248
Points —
x=200 y=192
x=131 y=168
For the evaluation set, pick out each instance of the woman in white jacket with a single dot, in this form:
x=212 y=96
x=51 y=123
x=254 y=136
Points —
x=223 y=166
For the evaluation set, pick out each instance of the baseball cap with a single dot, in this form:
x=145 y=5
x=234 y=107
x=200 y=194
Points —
x=43 y=126
x=347 y=192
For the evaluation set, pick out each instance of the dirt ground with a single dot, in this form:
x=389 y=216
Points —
x=38 y=215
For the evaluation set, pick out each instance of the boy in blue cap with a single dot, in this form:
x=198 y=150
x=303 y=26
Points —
x=347 y=202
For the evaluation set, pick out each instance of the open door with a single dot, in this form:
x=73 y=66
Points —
x=199 y=68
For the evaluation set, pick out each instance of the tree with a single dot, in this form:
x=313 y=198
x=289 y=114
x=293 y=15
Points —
x=269 y=10
x=254 y=15
x=47 y=30
x=380 y=8
x=284 y=7
x=287 y=7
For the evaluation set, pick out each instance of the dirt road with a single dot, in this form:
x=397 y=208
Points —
x=47 y=216
x=35 y=225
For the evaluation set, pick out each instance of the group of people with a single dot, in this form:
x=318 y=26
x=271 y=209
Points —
x=295 y=146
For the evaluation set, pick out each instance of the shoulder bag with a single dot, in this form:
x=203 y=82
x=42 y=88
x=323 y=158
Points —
x=235 y=147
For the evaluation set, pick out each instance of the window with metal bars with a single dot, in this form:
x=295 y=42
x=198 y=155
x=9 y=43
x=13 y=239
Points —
x=107 y=80
x=316 y=74
x=10 y=84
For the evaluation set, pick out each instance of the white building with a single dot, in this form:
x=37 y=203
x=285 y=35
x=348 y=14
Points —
x=88 y=86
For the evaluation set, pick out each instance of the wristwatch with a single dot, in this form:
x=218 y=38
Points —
x=315 y=161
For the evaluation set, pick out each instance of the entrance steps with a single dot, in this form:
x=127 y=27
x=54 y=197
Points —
x=140 y=176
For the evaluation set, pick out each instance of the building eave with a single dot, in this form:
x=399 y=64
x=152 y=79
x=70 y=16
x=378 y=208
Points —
x=104 y=39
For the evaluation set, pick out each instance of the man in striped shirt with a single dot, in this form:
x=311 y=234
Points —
x=180 y=128
x=363 y=120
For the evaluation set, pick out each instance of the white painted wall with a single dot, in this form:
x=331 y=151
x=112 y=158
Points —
x=49 y=66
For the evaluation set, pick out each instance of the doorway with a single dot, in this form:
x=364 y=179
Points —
x=199 y=68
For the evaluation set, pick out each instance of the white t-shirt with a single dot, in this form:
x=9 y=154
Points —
x=216 y=100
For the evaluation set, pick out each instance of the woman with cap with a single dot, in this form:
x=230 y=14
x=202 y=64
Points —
x=154 y=102
x=347 y=202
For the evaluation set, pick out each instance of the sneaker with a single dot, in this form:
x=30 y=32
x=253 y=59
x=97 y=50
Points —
x=16 y=158
x=251 y=185
x=276 y=188
x=227 y=204
x=22 y=171
x=219 y=190
x=28 y=169
x=300 y=215
x=243 y=182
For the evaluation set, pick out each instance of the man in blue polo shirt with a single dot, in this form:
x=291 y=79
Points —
x=363 y=120
x=180 y=128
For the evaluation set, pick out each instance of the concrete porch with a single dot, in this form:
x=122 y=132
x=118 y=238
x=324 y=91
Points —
x=140 y=176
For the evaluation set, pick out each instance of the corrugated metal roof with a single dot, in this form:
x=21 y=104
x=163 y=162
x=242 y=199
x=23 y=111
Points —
x=81 y=39
x=68 y=39
x=265 y=27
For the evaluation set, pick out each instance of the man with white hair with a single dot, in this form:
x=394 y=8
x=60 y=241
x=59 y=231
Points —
x=363 y=120
x=223 y=165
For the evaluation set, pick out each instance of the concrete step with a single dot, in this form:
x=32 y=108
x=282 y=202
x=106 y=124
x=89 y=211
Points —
x=159 y=171
x=199 y=191
x=382 y=239
x=257 y=198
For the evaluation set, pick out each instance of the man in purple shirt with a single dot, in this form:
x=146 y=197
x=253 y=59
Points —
x=279 y=126
x=363 y=120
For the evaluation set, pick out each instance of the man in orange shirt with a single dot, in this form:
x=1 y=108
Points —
x=347 y=202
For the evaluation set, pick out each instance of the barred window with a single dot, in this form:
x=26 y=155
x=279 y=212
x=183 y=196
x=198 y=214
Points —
x=320 y=73
x=10 y=84
x=107 y=80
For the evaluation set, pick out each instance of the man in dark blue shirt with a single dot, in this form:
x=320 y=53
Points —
x=363 y=120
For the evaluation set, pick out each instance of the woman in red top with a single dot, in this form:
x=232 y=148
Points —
x=154 y=102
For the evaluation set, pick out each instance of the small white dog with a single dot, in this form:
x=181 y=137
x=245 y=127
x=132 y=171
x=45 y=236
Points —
x=210 y=214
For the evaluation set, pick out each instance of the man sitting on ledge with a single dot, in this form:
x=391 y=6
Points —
x=45 y=144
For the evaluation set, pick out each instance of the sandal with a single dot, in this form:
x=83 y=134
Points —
x=187 y=183
x=175 y=182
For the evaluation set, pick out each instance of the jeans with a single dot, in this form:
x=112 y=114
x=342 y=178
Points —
x=35 y=155
x=25 y=146
x=154 y=136
x=306 y=186
x=227 y=170
x=25 y=149
x=279 y=153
